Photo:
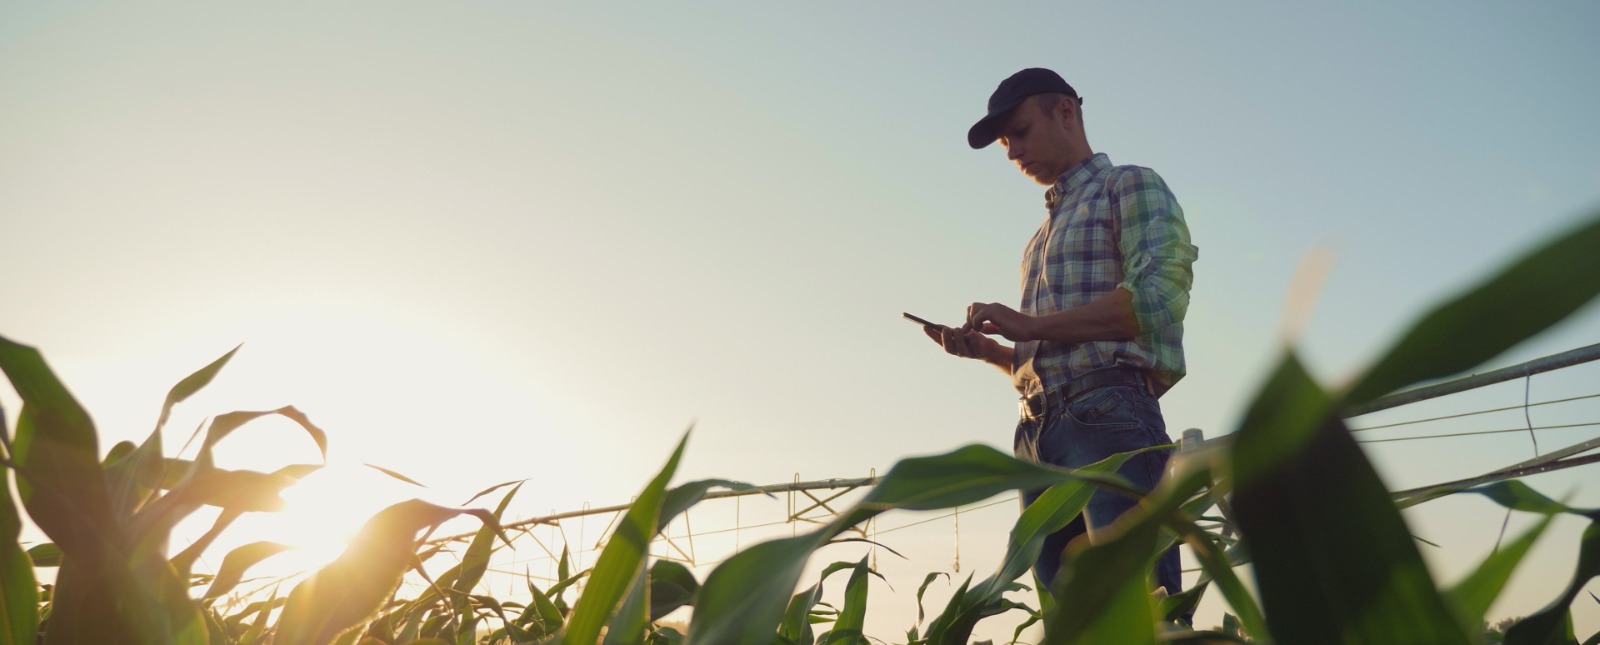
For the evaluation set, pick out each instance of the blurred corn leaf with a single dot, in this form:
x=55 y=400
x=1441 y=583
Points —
x=356 y=585
x=45 y=555
x=404 y=478
x=102 y=591
x=19 y=592
x=224 y=424
x=481 y=493
x=1478 y=590
x=56 y=456
x=627 y=626
x=1553 y=623
x=1525 y=298
x=191 y=384
x=240 y=560
x=1218 y=570
x=1295 y=466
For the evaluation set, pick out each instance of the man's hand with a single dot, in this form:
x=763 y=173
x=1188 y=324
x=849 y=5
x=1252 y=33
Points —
x=995 y=318
x=963 y=343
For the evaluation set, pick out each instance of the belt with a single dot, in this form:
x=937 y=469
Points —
x=1035 y=406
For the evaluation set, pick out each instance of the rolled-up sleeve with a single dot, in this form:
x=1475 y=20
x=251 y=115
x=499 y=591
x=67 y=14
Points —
x=1157 y=257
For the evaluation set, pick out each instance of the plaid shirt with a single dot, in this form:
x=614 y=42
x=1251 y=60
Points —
x=1108 y=227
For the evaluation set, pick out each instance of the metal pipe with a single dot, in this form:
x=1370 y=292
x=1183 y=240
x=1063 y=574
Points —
x=762 y=490
x=1536 y=366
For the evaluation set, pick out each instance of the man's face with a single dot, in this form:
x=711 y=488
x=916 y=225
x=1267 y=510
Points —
x=1037 y=141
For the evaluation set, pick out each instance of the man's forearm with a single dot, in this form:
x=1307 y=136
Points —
x=1109 y=317
x=1000 y=357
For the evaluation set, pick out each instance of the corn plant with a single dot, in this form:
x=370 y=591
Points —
x=1292 y=483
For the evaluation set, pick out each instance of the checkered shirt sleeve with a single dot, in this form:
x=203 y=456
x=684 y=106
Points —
x=1157 y=258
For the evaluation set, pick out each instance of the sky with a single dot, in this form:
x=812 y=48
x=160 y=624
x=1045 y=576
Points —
x=492 y=241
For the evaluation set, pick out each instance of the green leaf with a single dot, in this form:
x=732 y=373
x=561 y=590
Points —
x=1219 y=570
x=1524 y=299
x=475 y=562
x=134 y=477
x=356 y=585
x=622 y=559
x=399 y=476
x=549 y=615
x=481 y=493
x=191 y=384
x=680 y=498
x=1104 y=595
x=102 y=592
x=1477 y=591
x=19 y=592
x=45 y=555
x=924 y=587
x=57 y=457
x=224 y=424
x=1056 y=507
x=235 y=491
x=627 y=625
x=672 y=585
x=1304 y=496
x=847 y=628
x=744 y=598
x=240 y=560
x=1103 y=590
x=1553 y=623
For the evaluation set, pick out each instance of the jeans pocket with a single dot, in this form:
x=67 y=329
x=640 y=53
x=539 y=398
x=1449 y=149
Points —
x=1104 y=409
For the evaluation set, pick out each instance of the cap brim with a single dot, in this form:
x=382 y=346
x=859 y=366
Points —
x=983 y=133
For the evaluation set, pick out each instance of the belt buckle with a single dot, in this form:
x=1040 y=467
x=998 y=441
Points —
x=1027 y=410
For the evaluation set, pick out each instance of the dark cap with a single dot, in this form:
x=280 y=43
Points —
x=1011 y=93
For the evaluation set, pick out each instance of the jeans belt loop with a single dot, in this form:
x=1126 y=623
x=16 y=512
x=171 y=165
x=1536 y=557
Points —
x=1081 y=385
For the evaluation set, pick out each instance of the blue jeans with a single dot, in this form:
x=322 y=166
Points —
x=1091 y=427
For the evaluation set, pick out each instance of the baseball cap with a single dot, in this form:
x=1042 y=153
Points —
x=1011 y=93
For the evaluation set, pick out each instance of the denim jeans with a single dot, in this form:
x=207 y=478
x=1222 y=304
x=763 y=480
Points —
x=1091 y=427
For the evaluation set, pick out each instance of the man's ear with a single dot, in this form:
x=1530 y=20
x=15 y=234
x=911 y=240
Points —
x=1067 y=111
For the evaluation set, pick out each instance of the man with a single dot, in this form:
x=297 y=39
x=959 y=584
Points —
x=1105 y=285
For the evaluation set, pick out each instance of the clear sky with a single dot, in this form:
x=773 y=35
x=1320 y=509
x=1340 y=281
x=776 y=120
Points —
x=488 y=241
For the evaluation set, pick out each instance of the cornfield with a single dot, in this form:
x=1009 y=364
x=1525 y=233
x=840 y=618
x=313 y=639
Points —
x=1288 y=496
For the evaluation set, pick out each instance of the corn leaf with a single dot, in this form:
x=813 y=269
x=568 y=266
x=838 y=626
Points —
x=45 y=555
x=621 y=562
x=19 y=593
x=1553 y=623
x=1054 y=509
x=796 y=626
x=672 y=585
x=240 y=560
x=847 y=628
x=627 y=625
x=191 y=384
x=1295 y=466
x=101 y=592
x=399 y=476
x=1529 y=296
x=355 y=586
x=744 y=598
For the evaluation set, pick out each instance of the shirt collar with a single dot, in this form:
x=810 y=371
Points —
x=1074 y=178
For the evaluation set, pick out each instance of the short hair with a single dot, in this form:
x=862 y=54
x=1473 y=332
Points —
x=1047 y=102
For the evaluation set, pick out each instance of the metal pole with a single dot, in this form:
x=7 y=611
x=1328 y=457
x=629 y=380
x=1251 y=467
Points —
x=1536 y=366
x=763 y=490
